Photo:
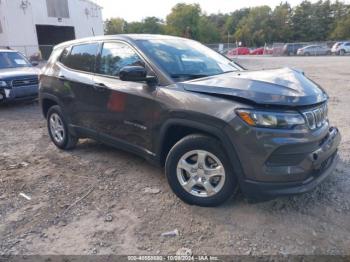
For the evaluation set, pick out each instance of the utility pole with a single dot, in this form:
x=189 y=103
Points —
x=228 y=39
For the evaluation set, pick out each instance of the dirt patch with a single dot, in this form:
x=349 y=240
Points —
x=130 y=204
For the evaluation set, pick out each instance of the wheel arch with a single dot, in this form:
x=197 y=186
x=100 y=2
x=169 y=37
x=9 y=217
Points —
x=166 y=139
x=47 y=101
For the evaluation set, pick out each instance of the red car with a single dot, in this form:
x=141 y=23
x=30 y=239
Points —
x=262 y=51
x=238 y=51
x=258 y=51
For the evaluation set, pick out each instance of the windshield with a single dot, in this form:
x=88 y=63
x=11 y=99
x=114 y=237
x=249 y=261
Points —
x=186 y=59
x=12 y=59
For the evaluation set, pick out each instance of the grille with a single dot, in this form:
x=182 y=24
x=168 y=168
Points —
x=25 y=82
x=317 y=116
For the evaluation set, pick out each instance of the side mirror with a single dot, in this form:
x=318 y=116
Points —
x=135 y=74
x=34 y=63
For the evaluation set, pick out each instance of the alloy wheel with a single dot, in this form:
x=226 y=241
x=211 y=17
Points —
x=57 y=128
x=201 y=173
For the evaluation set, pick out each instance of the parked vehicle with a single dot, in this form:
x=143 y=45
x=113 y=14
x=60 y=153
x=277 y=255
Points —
x=18 y=77
x=335 y=46
x=341 y=48
x=184 y=106
x=258 y=51
x=238 y=51
x=292 y=48
x=314 y=50
x=262 y=51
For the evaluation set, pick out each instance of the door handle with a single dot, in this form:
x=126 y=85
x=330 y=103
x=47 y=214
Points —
x=100 y=86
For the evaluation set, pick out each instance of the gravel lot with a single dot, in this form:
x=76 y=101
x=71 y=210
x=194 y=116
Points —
x=98 y=200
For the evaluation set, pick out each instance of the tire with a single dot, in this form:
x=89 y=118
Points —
x=222 y=185
x=342 y=52
x=62 y=139
x=307 y=54
x=329 y=53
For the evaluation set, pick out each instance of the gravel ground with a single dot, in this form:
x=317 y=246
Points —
x=98 y=200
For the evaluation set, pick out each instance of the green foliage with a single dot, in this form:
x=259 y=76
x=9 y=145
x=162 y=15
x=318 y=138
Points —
x=184 y=20
x=342 y=29
x=115 y=26
x=207 y=31
x=256 y=26
x=281 y=20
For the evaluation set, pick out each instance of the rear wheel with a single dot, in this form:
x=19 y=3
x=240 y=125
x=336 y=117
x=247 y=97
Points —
x=199 y=172
x=58 y=129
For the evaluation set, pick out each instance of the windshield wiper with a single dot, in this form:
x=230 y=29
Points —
x=188 y=76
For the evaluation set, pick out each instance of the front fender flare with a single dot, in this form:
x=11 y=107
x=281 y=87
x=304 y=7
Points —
x=216 y=131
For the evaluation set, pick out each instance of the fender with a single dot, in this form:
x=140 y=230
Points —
x=216 y=131
x=47 y=96
x=54 y=98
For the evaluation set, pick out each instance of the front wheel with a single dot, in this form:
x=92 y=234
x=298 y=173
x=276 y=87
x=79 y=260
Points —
x=199 y=171
x=58 y=129
x=342 y=52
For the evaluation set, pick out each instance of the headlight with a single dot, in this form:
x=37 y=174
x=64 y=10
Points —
x=3 y=84
x=268 y=119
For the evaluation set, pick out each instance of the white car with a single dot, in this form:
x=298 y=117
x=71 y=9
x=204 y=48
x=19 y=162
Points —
x=341 y=48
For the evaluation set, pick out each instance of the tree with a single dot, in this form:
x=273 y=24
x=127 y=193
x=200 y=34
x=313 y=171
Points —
x=234 y=19
x=301 y=21
x=256 y=28
x=308 y=21
x=115 y=26
x=134 y=28
x=341 y=14
x=184 y=20
x=153 y=25
x=208 y=32
x=281 y=19
x=342 y=29
x=150 y=25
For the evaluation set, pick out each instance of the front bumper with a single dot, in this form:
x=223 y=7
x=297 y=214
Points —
x=18 y=93
x=255 y=189
x=282 y=162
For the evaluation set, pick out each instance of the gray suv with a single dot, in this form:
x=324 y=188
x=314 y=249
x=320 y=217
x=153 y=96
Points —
x=213 y=126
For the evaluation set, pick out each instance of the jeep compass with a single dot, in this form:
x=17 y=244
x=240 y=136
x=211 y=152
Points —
x=214 y=126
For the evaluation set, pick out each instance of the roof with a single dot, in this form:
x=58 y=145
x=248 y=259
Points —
x=126 y=37
x=94 y=3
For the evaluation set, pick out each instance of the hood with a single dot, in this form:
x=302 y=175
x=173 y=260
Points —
x=11 y=73
x=284 y=86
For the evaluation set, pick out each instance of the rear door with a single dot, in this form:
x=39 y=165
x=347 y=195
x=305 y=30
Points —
x=126 y=113
x=76 y=77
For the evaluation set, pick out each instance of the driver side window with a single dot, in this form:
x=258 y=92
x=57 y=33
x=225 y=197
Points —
x=115 y=56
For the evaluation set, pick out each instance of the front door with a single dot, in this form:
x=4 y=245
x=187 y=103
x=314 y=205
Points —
x=127 y=113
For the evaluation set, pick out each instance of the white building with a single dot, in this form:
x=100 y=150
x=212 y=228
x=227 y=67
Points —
x=30 y=25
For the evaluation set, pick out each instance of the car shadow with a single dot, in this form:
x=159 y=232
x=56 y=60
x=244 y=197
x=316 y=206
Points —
x=334 y=192
x=17 y=104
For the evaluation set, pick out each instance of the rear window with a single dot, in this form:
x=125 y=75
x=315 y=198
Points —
x=82 y=57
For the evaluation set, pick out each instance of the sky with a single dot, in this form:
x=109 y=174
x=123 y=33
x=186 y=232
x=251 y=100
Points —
x=136 y=10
